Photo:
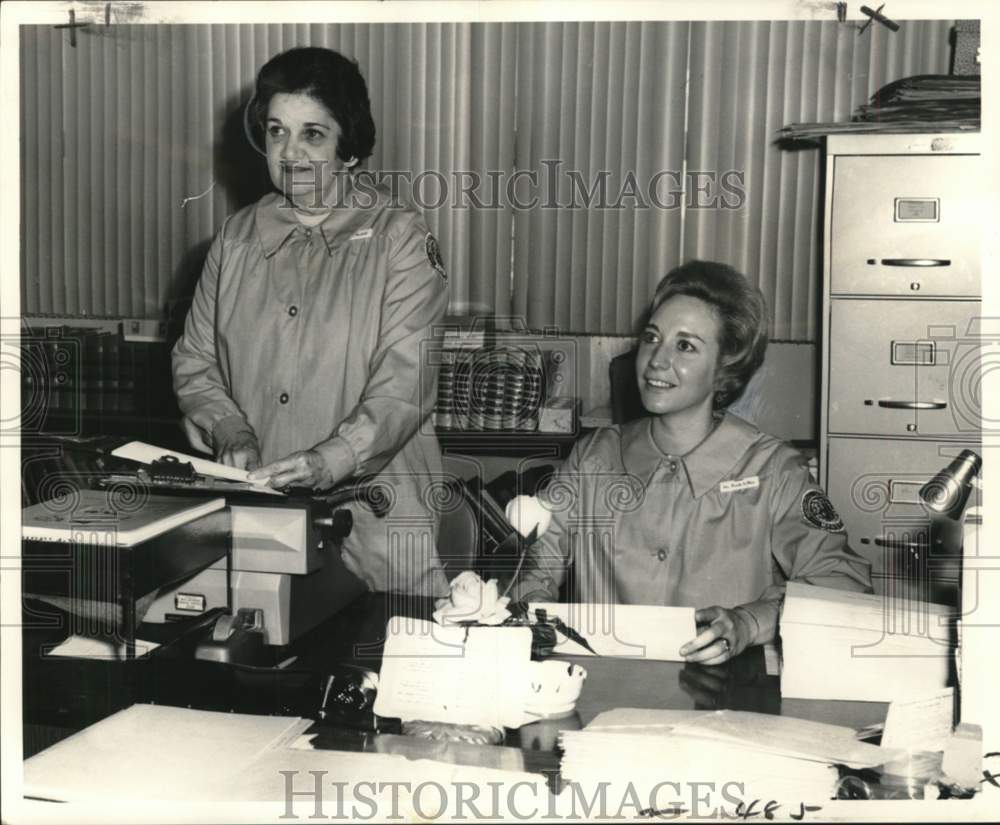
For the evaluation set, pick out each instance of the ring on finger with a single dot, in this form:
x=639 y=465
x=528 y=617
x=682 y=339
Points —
x=725 y=641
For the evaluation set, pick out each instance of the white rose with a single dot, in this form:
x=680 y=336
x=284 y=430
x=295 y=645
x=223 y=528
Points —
x=525 y=513
x=467 y=591
x=472 y=600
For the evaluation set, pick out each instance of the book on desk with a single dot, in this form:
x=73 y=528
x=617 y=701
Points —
x=82 y=514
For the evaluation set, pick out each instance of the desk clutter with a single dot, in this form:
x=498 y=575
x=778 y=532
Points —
x=149 y=753
x=747 y=755
x=733 y=759
x=472 y=666
x=464 y=686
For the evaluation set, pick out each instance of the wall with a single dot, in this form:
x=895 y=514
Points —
x=134 y=150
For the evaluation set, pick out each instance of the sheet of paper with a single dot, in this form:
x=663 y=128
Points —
x=148 y=453
x=153 y=752
x=659 y=720
x=788 y=736
x=812 y=605
x=99 y=647
x=923 y=723
x=634 y=631
x=460 y=675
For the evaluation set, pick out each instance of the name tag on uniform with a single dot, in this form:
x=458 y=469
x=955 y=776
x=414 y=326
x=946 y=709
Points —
x=748 y=483
x=361 y=234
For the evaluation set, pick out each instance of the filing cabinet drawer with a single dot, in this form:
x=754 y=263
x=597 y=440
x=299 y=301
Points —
x=904 y=368
x=875 y=486
x=906 y=225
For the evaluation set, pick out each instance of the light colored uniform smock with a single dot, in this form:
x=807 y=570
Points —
x=316 y=338
x=728 y=524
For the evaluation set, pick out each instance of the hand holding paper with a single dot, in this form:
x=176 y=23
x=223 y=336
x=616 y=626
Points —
x=242 y=452
x=305 y=468
x=634 y=631
x=148 y=453
x=724 y=635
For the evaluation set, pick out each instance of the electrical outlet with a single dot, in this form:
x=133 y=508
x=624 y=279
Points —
x=144 y=329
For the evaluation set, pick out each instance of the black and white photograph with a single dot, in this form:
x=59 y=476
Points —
x=498 y=411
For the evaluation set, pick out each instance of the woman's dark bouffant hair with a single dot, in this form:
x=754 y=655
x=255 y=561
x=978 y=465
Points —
x=742 y=315
x=330 y=78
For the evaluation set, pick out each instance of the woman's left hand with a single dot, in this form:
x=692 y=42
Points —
x=725 y=637
x=302 y=469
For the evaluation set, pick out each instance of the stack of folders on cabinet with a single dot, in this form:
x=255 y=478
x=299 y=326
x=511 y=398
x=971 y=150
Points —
x=733 y=756
x=843 y=645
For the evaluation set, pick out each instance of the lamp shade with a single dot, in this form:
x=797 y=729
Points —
x=947 y=493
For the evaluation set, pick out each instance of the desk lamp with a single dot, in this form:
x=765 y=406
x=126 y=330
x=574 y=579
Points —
x=947 y=493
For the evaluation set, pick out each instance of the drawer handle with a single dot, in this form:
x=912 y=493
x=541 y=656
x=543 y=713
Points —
x=912 y=405
x=916 y=262
x=912 y=546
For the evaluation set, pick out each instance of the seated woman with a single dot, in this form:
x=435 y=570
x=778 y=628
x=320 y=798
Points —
x=693 y=506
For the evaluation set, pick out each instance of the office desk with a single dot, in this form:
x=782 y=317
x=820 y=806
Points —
x=356 y=636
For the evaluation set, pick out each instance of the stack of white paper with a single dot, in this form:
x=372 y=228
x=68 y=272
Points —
x=729 y=756
x=843 y=645
x=152 y=752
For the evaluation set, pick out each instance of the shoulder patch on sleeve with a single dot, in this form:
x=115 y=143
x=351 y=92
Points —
x=818 y=511
x=434 y=255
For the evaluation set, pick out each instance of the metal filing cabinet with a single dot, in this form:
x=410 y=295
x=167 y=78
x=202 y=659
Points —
x=901 y=341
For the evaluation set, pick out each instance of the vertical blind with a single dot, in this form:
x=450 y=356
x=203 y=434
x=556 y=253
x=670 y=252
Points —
x=133 y=153
x=613 y=96
x=603 y=101
x=747 y=81
x=134 y=150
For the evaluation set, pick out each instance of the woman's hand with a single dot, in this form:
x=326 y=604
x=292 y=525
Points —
x=726 y=636
x=196 y=436
x=302 y=469
x=241 y=451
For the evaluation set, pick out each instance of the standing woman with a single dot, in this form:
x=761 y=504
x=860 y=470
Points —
x=301 y=355
x=693 y=506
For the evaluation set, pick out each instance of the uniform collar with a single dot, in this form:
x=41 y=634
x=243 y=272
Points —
x=706 y=465
x=276 y=222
